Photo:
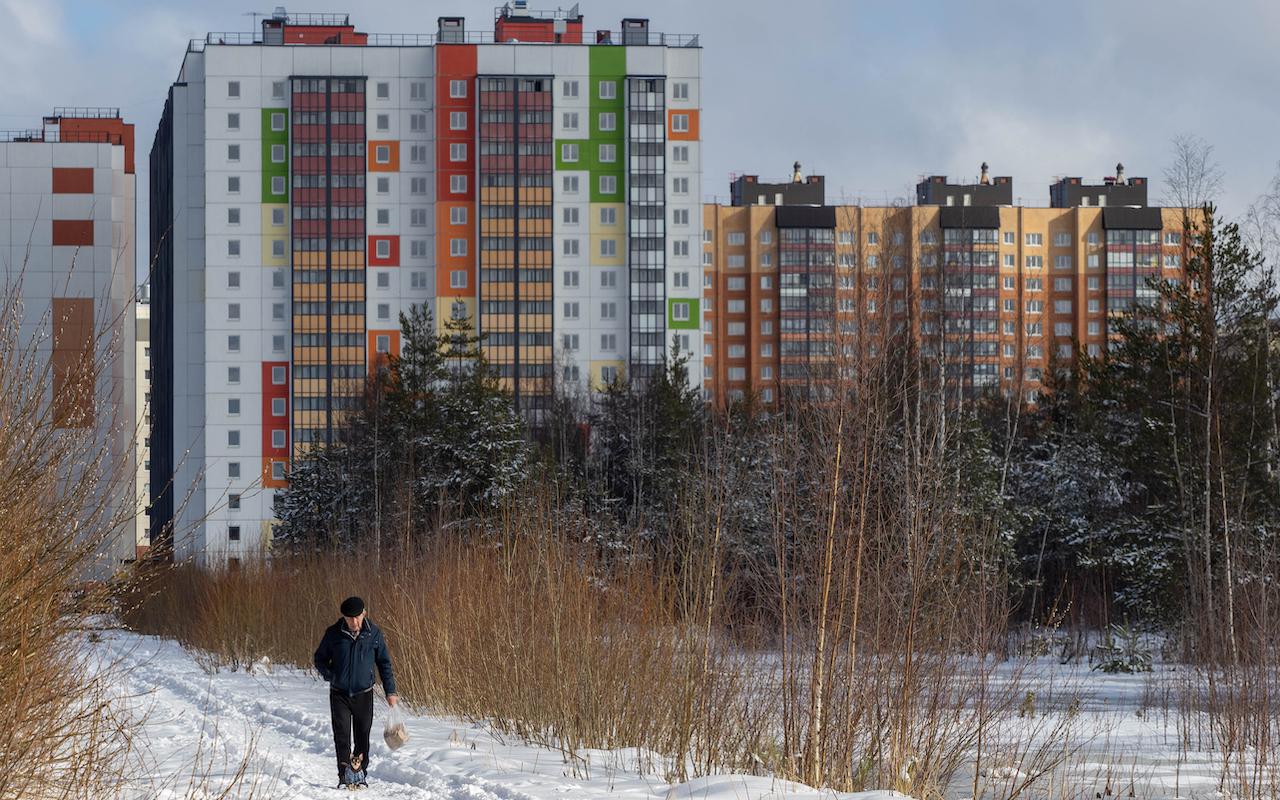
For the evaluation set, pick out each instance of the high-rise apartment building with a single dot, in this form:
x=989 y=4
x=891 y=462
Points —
x=142 y=420
x=311 y=182
x=995 y=292
x=67 y=204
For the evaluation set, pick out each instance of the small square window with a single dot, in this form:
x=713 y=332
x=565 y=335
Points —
x=383 y=122
x=233 y=184
x=233 y=280
x=383 y=249
x=233 y=438
x=277 y=376
x=233 y=343
x=458 y=184
x=457 y=120
x=277 y=248
x=277 y=91
x=277 y=122
x=680 y=123
x=457 y=88
x=233 y=247
x=233 y=410
x=384 y=311
x=384 y=216
x=384 y=279
x=233 y=122
x=277 y=311
x=277 y=407
x=233 y=216
x=233 y=375
x=277 y=217
x=277 y=470
x=457 y=151
x=382 y=154
x=383 y=185
x=233 y=502
x=233 y=152
x=608 y=90
x=277 y=154
x=233 y=88
x=233 y=533
x=458 y=215
x=458 y=279
x=383 y=90
x=277 y=343
x=278 y=438
x=382 y=343
x=233 y=311
x=277 y=279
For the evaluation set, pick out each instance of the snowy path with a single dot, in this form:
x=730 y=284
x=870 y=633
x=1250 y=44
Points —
x=278 y=722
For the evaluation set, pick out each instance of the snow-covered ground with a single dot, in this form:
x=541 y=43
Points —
x=1125 y=735
x=200 y=729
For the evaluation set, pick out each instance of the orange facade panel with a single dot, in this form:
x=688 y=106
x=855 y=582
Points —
x=73 y=363
x=384 y=156
x=73 y=180
x=73 y=232
x=682 y=124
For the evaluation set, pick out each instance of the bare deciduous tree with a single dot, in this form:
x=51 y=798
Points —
x=1194 y=176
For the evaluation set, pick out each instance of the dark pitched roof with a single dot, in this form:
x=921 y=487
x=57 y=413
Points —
x=806 y=217
x=970 y=217
x=1139 y=219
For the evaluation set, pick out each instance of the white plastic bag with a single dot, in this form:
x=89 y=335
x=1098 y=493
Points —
x=394 y=733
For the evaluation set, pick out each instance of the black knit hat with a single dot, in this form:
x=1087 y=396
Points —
x=352 y=607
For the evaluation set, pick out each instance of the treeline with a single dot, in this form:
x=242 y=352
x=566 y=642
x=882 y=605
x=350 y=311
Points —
x=1142 y=486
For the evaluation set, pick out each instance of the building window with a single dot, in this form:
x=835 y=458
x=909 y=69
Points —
x=277 y=217
x=570 y=120
x=277 y=376
x=383 y=122
x=680 y=312
x=418 y=122
x=570 y=247
x=457 y=120
x=608 y=216
x=680 y=280
x=233 y=248
x=680 y=248
x=383 y=90
x=608 y=153
x=278 y=438
x=609 y=341
x=233 y=311
x=233 y=410
x=608 y=248
x=569 y=152
x=384 y=311
x=680 y=153
x=233 y=438
x=680 y=123
x=382 y=343
x=233 y=184
x=457 y=151
x=277 y=470
x=608 y=90
x=457 y=88
x=277 y=344
x=608 y=311
x=1062 y=240
x=277 y=184
x=233 y=533
x=382 y=154
x=277 y=407
x=277 y=92
x=1034 y=239
x=277 y=122
x=608 y=121
x=383 y=216
x=458 y=184
x=382 y=249
x=458 y=215
x=233 y=216
x=609 y=279
x=233 y=280
x=233 y=375
x=571 y=310
x=570 y=184
x=458 y=279
x=277 y=154
x=609 y=184
x=457 y=247
x=680 y=91
x=233 y=122
x=680 y=186
x=233 y=152
x=571 y=279
x=384 y=279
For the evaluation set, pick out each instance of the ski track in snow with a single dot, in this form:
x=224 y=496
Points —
x=279 y=722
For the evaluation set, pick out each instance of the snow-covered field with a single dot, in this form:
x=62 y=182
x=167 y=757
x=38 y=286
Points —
x=274 y=723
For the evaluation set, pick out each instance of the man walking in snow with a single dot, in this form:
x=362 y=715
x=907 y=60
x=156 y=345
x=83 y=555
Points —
x=345 y=658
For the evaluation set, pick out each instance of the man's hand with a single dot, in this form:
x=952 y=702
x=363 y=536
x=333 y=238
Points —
x=392 y=700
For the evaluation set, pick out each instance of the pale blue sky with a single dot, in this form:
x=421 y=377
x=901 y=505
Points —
x=870 y=94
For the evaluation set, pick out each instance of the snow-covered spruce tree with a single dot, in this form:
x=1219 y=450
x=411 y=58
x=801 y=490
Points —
x=644 y=443
x=436 y=435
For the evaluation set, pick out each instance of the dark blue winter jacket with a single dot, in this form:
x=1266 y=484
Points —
x=346 y=660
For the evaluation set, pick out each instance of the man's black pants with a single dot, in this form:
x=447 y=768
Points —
x=348 y=713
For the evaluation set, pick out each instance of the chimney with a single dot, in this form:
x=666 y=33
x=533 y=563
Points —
x=1120 y=174
x=796 y=177
x=984 y=179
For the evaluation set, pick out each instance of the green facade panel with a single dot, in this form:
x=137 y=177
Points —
x=608 y=64
x=272 y=169
x=694 y=319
